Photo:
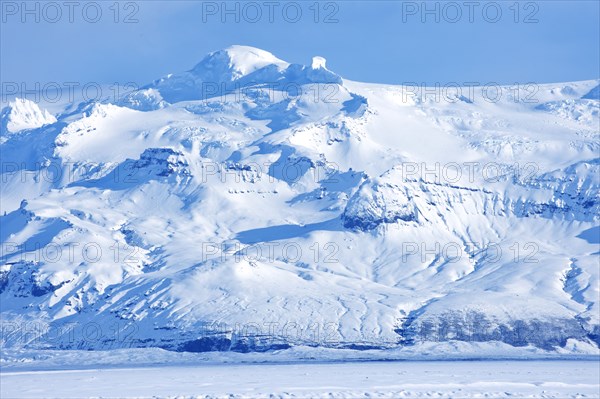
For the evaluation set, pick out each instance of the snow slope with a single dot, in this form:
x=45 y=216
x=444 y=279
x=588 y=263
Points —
x=251 y=204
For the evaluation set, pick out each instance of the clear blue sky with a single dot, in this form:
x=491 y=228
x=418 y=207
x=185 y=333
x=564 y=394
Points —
x=372 y=41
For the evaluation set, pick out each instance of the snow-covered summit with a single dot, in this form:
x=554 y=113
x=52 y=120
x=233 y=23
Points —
x=237 y=67
x=21 y=114
x=235 y=62
x=319 y=62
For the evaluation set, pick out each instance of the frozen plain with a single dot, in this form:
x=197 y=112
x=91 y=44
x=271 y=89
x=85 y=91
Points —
x=423 y=371
x=452 y=379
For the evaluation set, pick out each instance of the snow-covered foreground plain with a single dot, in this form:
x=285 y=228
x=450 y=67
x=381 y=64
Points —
x=455 y=379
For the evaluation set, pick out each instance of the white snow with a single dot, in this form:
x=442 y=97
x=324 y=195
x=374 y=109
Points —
x=319 y=62
x=21 y=114
x=245 y=59
x=189 y=189
x=464 y=379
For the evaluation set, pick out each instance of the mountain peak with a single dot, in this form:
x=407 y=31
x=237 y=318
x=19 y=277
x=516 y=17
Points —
x=235 y=67
x=21 y=114
x=247 y=59
x=235 y=62
x=319 y=62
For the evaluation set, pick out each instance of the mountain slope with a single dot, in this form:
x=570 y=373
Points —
x=251 y=204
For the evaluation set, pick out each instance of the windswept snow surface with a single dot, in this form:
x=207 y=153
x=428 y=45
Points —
x=250 y=204
x=302 y=372
x=484 y=379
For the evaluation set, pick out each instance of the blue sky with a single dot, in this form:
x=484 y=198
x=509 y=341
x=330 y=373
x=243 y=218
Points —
x=375 y=41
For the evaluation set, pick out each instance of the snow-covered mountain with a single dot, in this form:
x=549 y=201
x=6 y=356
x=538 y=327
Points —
x=22 y=114
x=251 y=204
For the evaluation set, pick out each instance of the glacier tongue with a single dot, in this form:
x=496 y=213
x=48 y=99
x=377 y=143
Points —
x=250 y=204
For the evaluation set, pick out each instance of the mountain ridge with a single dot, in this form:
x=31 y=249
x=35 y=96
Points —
x=292 y=207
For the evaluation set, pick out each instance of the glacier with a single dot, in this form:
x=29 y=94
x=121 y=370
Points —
x=250 y=204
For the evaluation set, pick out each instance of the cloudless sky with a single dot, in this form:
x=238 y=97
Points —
x=372 y=41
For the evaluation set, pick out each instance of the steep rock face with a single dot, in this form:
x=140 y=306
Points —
x=162 y=162
x=477 y=326
x=154 y=164
x=143 y=100
x=326 y=213
x=376 y=202
x=572 y=193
